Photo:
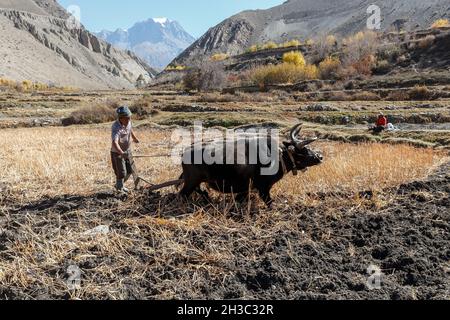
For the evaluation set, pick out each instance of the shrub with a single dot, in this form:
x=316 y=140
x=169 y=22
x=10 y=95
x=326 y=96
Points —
x=331 y=40
x=175 y=68
x=265 y=75
x=402 y=59
x=27 y=85
x=365 y=96
x=323 y=47
x=270 y=45
x=420 y=93
x=427 y=41
x=234 y=79
x=40 y=86
x=294 y=57
x=191 y=80
x=253 y=48
x=390 y=52
x=382 y=67
x=328 y=68
x=219 y=57
x=243 y=97
x=207 y=77
x=91 y=115
x=359 y=50
x=217 y=97
x=365 y=65
x=398 y=95
x=292 y=43
x=142 y=108
x=7 y=83
x=440 y=23
x=310 y=42
x=337 y=96
x=68 y=88
x=283 y=74
x=346 y=73
x=309 y=72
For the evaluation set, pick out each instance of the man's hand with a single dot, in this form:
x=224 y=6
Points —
x=135 y=139
x=124 y=155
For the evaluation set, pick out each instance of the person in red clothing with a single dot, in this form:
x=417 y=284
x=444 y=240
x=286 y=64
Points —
x=380 y=125
x=382 y=121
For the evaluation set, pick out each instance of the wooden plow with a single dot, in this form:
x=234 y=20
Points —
x=137 y=178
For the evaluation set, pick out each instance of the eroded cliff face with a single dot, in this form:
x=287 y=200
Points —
x=39 y=46
x=230 y=37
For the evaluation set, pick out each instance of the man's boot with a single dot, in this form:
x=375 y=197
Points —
x=120 y=187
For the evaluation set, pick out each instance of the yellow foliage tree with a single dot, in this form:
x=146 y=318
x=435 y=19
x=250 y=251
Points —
x=6 y=82
x=440 y=23
x=270 y=45
x=331 y=40
x=40 y=86
x=175 y=68
x=292 y=43
x=27 y=85
x=219 y=57
x=285 y=73
x=253 y=48
x=329 y=66
x=294 y=57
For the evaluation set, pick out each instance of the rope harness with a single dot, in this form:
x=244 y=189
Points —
x=290 y=152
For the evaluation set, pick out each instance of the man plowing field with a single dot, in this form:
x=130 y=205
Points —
x=122 y=137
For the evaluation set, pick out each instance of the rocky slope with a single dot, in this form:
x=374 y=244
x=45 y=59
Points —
x=301 y=19
x=37 y=43
x=157 y=41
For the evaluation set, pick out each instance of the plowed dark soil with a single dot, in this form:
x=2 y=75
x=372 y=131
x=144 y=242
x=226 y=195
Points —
x=319 y=256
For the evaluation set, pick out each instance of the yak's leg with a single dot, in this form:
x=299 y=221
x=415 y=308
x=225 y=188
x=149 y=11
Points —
x=188 y=188
x=264 y=193
x=203 y=193
x=191 y=185
x=241 y=197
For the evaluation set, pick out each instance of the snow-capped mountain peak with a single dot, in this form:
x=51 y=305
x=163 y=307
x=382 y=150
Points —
x=157 y=40
x=161 y=21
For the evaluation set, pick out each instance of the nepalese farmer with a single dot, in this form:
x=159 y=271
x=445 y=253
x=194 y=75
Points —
x=381 y=124
x=382 y=121
x=122 y=136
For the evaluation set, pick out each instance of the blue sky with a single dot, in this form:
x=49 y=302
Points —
x=196 y=16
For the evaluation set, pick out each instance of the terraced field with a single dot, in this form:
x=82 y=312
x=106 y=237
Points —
x=377 y=200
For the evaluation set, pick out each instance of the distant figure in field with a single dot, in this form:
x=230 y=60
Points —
x=382 y=121
x=381 y=124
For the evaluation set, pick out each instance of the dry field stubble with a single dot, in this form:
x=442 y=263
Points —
x=75 y=161
x=160 y=248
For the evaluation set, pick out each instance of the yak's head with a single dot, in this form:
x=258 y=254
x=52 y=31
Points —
x=299 y=151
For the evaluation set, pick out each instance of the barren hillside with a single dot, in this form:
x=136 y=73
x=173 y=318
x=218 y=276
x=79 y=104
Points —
x=37 y=44
x=302 y=19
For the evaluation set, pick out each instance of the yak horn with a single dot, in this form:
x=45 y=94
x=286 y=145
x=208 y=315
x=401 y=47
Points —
x=302 y=144
x=295 y=132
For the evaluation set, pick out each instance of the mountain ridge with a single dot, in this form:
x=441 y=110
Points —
x=303 y=19
x=156 y=40
x=39 y=44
